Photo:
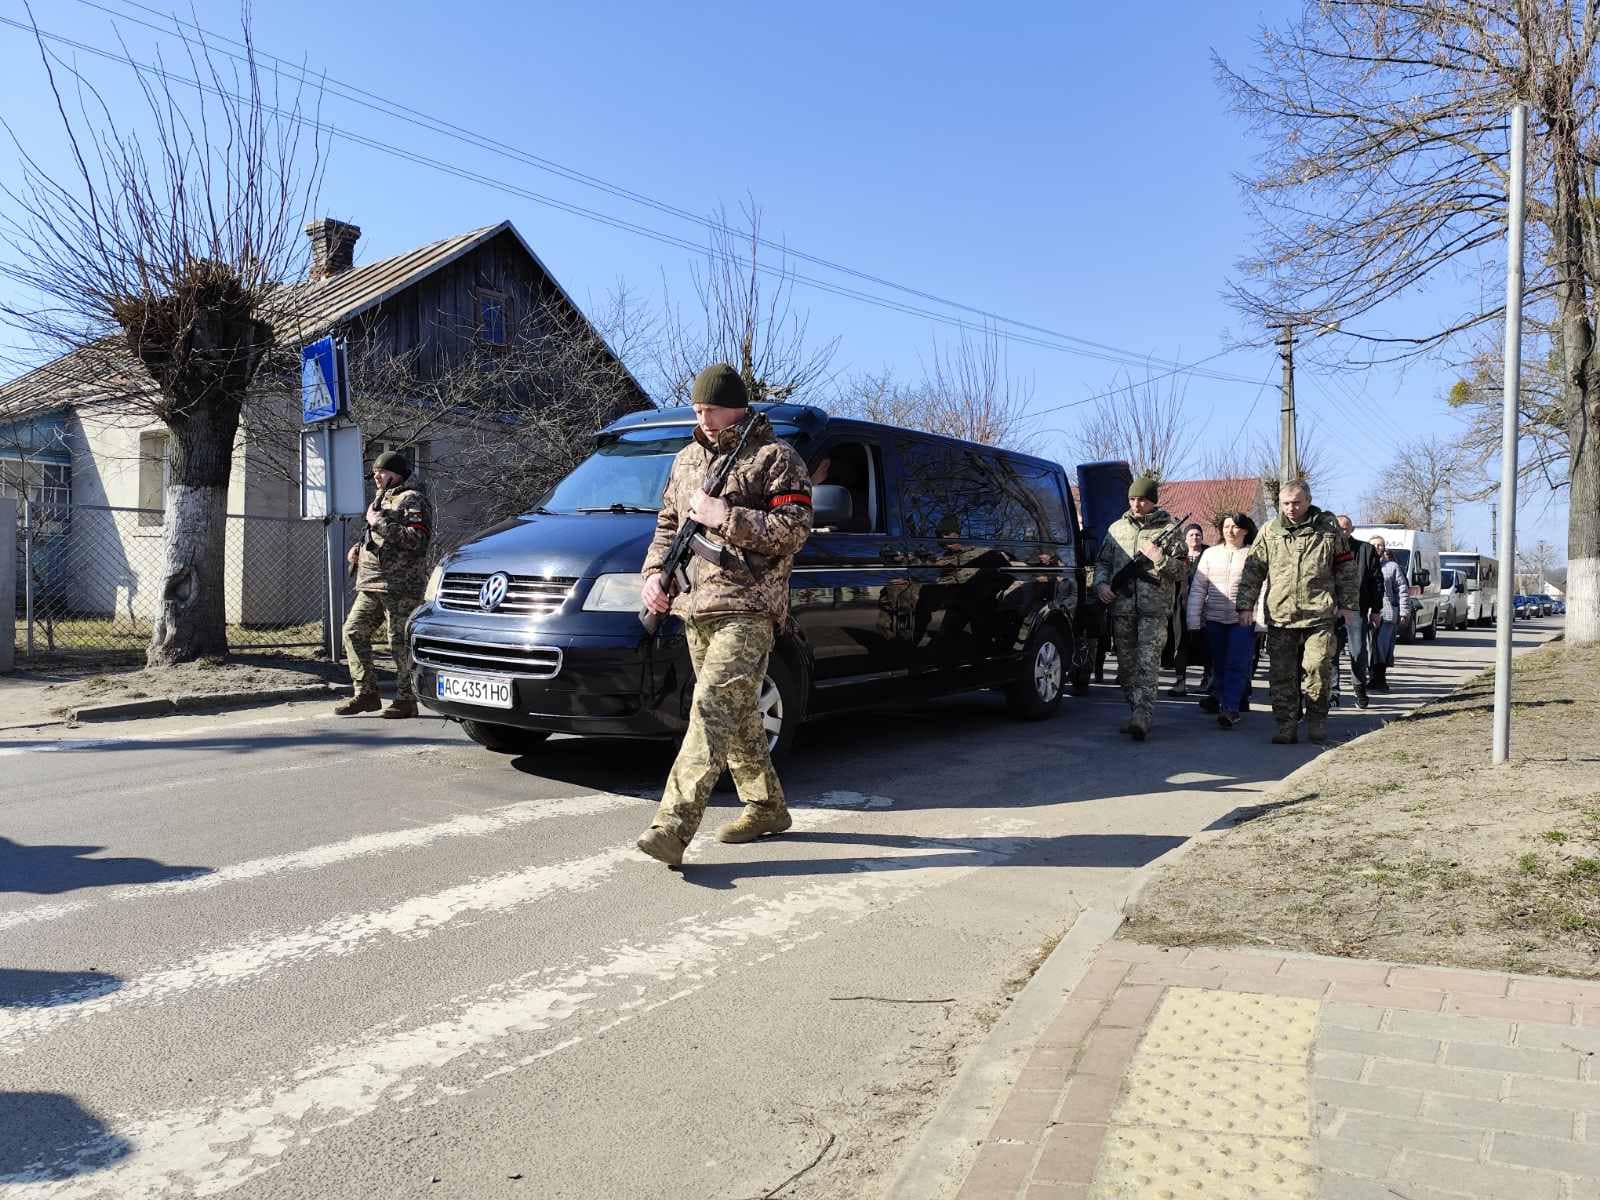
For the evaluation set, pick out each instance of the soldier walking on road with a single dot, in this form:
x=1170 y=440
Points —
x=732 y=610
x=390 y=562
x=1306 y=564
x=1140 y=612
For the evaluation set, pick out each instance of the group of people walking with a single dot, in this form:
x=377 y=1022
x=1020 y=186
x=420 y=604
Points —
x=1304 y=580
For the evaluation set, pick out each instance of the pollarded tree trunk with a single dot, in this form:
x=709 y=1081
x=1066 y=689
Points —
x=1583 y=523
x=217 y=360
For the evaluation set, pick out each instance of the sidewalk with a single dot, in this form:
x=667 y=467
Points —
x=1222 y=1074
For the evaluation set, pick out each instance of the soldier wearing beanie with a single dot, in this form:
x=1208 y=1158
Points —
x=1140 y=612
x=391 y=572
x=731 y=612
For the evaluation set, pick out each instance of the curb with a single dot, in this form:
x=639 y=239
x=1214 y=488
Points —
x=933 y=1168
x=198 y=702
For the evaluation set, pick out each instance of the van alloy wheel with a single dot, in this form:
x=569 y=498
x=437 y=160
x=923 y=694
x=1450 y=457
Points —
x=1047 y=671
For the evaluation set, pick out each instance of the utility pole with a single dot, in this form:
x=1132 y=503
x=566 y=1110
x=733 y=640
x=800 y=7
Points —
x=1449 y=515
x=1494 y=540
x=1508 y=434
x=1288 y=455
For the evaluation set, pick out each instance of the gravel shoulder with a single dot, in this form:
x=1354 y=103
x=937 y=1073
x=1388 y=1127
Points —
x=1407 y=845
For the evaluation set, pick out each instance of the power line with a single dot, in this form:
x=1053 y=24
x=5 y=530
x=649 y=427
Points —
x=375 y=102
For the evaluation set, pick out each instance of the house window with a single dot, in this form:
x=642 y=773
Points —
x=155 y=472
x=492 y=320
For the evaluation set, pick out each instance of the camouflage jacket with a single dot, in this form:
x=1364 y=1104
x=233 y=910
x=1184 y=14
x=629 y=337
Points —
x=1308 y=570
x=1154 y=593
x=394 y=552
x=769 y=519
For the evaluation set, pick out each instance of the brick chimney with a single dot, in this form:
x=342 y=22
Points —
x=333 y=247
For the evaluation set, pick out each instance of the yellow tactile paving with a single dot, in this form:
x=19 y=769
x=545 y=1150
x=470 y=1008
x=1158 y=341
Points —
x=1215 y=1103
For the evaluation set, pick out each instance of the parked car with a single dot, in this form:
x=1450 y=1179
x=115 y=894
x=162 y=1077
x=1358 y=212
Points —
x=935 y=566
x=1521 y=609
x=1453 y=599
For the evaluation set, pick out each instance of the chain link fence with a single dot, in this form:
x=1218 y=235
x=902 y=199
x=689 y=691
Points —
x=89 y=581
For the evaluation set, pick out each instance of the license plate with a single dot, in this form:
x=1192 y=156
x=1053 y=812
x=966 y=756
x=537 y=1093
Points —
x=473 y=689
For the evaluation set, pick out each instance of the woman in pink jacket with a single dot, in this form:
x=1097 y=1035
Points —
x=1231 y=642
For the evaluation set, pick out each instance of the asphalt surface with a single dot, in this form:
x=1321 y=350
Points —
x=281 y=954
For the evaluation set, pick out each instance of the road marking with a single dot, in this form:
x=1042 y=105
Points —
x=365 y=846
x=68 y=745
x=222 y=1142
x=253 y=957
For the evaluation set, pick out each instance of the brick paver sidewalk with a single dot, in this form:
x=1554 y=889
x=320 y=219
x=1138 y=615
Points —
x=1222 y=1074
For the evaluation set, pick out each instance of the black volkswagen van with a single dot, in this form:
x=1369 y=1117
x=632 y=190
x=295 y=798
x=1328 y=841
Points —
x=935 y=566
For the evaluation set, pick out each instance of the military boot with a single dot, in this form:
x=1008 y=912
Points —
x=401 y=707
x=359 y=703
x=1126 y=726
x=1139 y=726
x=753 y=822
x=1361 y=695
x=662 y=845
x=1286 y=735
x=1317 y=729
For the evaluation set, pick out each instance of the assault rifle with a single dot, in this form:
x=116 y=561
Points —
x=691 y=536
x=1138 y=566
x=351 y=568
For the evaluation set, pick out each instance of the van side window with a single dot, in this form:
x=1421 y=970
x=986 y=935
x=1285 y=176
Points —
x=940 y=490
x=857 y=467
x=1035 y=509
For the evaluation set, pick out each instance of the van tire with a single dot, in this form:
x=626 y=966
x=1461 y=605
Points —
x=1041 y=676
x=504 y=739
x=1432 y=631
x=780 y=698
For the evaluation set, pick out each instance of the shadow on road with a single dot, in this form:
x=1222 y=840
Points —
x=48 y=870
x=48 y=1136
x=1110 y=850
x=21 y=988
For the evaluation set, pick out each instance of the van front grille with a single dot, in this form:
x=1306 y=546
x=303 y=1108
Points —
x=495 y=658
x=526 y=595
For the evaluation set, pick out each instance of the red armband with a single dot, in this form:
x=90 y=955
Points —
x=1345 y=557
x=790 y=498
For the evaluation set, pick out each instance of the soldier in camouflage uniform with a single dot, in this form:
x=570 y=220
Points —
x=1305 y=562
x=1139 y=613
x=732 y=610
x=390 y=563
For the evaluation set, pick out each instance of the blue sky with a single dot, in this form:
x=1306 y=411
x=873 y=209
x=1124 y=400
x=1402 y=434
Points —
x=1065 y=164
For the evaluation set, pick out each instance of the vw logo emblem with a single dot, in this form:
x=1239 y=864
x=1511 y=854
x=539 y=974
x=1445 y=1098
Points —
x=493 y=592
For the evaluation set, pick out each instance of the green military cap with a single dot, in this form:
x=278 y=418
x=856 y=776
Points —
x=1143 y=488
x=719 y=386
x=393 y=460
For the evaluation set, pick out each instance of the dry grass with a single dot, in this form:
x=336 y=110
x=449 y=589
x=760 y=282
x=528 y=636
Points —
x=1409 y=845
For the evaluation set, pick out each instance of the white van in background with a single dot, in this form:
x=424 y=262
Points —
x=1418 y=556
x=1481 y=576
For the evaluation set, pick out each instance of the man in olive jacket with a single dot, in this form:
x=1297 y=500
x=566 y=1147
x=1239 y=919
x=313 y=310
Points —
x=1140 y=611
x=391 y=562
x=732 y=609
x=1305 y=562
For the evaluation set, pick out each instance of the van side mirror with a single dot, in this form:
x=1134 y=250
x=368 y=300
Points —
x=1426 y=577
x=831 y=505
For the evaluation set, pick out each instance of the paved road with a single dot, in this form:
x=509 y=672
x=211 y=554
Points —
x=283 y=955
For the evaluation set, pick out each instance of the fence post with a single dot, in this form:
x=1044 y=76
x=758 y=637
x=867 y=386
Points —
x=8 y=585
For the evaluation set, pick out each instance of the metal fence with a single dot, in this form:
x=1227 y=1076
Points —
x=89 y=582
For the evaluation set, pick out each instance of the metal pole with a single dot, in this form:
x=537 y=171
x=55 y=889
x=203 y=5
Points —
x=1508 y=436
x=1289 y=458
x=335 y=564
x=27 y=565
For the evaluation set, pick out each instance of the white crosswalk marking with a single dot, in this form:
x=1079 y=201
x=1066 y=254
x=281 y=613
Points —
x=210 y=1147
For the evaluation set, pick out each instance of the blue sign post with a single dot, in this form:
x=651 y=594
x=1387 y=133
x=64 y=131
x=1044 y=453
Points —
x=322 y=385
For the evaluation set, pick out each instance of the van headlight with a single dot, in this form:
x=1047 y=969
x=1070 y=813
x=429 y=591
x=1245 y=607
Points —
x=431 y=592
x=615 y=593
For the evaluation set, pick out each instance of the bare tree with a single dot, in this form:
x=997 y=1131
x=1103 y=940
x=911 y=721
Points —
x=1542 y=452
x=1411 y=488
x=1536 y=562
x=504 y=423
x=1142 y=424
x=967 y=391
x=744 y=316
x=155 y=265
x=1384 y=125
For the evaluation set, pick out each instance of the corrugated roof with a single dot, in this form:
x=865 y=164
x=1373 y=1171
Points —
x=308 y=310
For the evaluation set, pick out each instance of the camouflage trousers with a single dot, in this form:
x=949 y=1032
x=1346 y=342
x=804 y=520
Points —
x=369 y=611
x=1139 y=639
x=725 y=728
x=1300 y=660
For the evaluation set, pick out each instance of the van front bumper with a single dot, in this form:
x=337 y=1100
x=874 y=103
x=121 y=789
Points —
x=612 y=684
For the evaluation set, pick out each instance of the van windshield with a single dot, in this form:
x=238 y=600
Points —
x=630 y=470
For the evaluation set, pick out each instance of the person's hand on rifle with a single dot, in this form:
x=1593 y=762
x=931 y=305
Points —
x=373 y=517
x=655 y=596
x=1105 y=593
x=710 y=511
x=355 y=553
x=1152 y=551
